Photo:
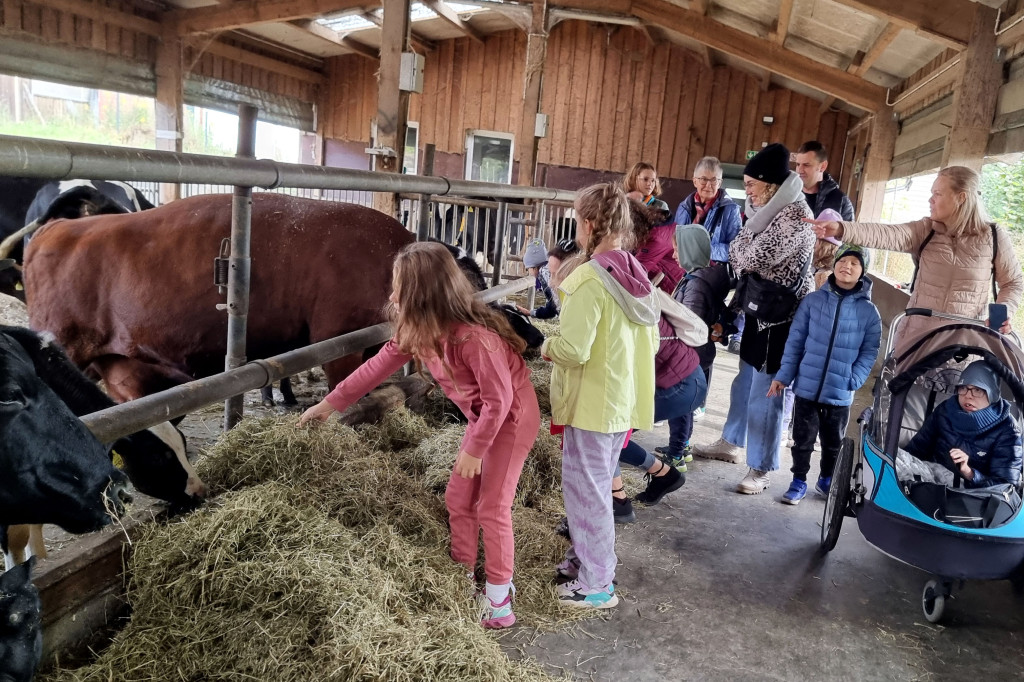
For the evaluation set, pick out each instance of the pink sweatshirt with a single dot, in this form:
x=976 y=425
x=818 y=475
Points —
x=488 y=378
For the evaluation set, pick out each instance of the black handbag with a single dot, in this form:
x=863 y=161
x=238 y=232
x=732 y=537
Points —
x=768 y=301
x=968 y=508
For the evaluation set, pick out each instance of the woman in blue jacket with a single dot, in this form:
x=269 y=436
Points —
x=712 y=208
x=829 y=354
x=974 y=435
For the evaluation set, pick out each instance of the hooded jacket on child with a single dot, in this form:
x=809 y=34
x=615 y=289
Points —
x=603 y=374
x=833 y=342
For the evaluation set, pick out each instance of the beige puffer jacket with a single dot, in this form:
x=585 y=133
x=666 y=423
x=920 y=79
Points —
x=955 y=274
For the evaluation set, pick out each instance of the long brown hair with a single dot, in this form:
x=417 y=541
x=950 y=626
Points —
x=629 y=181
x=969 y=217
x=434 y=296
x=606 y=206
x=644 y=219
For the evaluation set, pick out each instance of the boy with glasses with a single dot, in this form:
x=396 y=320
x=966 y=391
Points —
x=973 y=436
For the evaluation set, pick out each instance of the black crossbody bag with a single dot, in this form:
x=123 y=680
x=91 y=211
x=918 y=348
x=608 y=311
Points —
x=768 y=301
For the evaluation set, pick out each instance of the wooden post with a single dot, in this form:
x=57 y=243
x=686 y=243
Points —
x=536 y=51
x=170 y=102
x=392 y=104
x=974 y=97
x=881 y=143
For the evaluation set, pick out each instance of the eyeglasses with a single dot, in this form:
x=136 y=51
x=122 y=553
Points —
x=972 y=391
x=752 y=184
x=707 y=181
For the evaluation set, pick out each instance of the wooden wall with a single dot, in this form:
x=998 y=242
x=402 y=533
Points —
x=611 y=97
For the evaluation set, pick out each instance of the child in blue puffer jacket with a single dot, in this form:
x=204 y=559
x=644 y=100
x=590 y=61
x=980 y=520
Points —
x=831 y=349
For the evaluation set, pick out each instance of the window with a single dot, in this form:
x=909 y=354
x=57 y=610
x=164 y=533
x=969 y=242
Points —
x=489 y=156
x=411 y=157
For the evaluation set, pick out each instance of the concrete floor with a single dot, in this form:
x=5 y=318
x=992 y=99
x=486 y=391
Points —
x=721 y=586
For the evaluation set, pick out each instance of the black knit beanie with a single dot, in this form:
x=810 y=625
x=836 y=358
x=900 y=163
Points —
x=770 y=165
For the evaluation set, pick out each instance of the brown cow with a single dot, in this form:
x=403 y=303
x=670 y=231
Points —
x=132 y=296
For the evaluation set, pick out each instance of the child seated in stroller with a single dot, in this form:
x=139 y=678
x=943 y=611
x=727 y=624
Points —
x=974 y=436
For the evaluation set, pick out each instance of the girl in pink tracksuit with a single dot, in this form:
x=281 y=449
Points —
x=472 y=352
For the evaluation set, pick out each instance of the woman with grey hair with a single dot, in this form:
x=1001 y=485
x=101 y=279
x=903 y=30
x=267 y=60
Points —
x=710 y=207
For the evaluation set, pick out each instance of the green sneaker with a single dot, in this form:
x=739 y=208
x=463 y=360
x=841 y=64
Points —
x=679 y=463
x=662 y=451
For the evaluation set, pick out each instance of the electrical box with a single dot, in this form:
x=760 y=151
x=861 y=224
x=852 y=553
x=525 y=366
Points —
x=410 y=76
x=540 y=126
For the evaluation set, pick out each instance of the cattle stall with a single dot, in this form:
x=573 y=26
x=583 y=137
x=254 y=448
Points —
x=80 y=592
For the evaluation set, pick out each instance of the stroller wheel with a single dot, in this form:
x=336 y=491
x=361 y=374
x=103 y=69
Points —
x=933 y=600
x=838 y=500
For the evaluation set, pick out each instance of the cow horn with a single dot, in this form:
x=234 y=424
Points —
x=7 y=245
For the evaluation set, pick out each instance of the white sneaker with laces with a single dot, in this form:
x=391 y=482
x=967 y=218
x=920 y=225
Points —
x=753 y=483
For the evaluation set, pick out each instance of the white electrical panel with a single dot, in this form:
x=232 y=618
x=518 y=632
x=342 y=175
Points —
x=540 y=126
x=410 y=76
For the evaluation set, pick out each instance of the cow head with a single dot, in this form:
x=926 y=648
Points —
x=53 y=469
x=156 y=462
x=21 y=637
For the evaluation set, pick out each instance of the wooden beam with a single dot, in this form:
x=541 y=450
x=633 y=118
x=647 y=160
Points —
x=331 y=36
x=239 y=14
x=975 y=95
x=878 y=166
x=1011 y=30
x=649 y=34
x=881 y=44
x=762 y=53
x=169 y=105
x=106 y=15
x=782 y=25
x=266 y=63
x=947 y=22
x=448 y=14
x=418 y=41
x=938 y=80
x=862 y=61
x=699 y=6
x=533 y=74
x=392 y=103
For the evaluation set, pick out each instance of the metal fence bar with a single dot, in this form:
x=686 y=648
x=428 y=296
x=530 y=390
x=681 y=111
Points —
x=120 y=420
x=29 y=157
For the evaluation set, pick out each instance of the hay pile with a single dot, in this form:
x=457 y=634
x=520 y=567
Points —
x=328 y=559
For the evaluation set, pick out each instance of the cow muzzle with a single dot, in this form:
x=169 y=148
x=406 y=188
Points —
x=115 y=497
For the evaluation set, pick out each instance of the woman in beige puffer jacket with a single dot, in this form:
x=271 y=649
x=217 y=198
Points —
x=956 y=266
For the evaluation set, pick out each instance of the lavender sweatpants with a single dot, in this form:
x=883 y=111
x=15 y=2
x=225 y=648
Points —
x=589 y=459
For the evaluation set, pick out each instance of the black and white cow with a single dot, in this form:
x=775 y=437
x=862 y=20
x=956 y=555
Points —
x=474 y=228
x=21 y=634
x=36 y=202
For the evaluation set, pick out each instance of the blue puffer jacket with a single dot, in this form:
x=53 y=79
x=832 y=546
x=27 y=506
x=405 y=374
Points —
x=989 y=437
x=832 y=344
x=722 y=222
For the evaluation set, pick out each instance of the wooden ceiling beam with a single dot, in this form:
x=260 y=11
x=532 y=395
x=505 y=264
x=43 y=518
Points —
x=448 y=14
x=947 y=22
x=241 y=14
x=104 y=14
x=762 y=53
x=863 y=61
x=237 y=54
x=418 y=41
x=782 y=24
x=332 y=36
x=1011 y=30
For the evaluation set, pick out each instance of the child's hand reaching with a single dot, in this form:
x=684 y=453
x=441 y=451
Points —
x=776 y=388
x=466 y=465
x=318 y=413
x=960 y=459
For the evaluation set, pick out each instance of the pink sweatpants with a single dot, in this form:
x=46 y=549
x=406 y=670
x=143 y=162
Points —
x=485 y=501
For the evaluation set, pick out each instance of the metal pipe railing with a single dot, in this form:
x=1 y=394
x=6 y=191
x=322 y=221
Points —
x=30 y=157
x=120 y=420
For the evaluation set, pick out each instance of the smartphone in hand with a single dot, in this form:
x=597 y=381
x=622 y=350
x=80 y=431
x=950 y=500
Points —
x=996 y=315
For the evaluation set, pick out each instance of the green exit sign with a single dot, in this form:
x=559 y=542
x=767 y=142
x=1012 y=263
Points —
x=751 y=153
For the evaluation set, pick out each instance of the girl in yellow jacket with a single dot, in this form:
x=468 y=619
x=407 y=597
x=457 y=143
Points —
x=602 y=385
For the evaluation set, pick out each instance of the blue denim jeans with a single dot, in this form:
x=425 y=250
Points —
x=754 y=420
x=676 y=404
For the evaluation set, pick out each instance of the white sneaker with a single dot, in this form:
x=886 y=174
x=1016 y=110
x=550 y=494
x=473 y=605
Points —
x=698 y=414
x=722 y=450
x=753 y=483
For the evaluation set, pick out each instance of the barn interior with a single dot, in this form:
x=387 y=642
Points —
x=560 y=94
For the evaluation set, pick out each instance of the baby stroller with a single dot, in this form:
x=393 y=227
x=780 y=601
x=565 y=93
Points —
x=984 y=543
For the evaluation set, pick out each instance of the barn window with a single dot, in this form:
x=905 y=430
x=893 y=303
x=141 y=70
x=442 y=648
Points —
x=411 y=159
x=489 y=156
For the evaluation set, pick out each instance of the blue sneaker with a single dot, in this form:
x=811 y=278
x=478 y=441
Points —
x=822 y=486
x=796 y=492
x=573 y=594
